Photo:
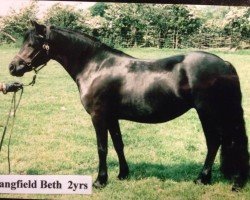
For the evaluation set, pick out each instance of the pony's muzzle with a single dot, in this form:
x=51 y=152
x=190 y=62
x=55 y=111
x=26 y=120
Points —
x=16 y=69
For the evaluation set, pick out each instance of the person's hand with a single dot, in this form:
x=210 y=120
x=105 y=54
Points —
x=13 y=87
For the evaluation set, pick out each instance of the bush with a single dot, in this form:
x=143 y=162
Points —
x=66 y=17
x=16 y=23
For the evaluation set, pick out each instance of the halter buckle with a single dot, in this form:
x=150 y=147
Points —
x=46 y=47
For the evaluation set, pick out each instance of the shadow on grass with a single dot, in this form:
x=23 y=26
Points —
x=176 y=172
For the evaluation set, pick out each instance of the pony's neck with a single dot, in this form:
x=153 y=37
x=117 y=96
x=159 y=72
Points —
x=72 y=50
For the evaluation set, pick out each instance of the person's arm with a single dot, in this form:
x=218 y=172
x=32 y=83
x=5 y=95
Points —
x=10 y=87
x=3 y=88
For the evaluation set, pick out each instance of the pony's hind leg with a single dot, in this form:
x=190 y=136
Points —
x=116 y=136
x=212 y=135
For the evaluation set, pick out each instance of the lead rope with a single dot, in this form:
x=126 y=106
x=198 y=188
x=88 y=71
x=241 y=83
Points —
x=13 y=109
x=34 y=77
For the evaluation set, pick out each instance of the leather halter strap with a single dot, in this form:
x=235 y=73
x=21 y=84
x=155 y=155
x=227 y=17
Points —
x=29 y=63
x=45 y=47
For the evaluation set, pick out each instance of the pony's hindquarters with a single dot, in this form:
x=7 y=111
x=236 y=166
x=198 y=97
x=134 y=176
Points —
x=220 y=110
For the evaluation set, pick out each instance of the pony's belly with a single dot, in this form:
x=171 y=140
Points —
x=153 y=114
x=151 y=118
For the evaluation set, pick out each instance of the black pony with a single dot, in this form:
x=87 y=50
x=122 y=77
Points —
x=114 y=85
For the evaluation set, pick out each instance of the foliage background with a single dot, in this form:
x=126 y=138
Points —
x=141 y=25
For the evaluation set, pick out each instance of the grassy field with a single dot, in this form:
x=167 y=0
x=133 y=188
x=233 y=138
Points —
x=53 y=135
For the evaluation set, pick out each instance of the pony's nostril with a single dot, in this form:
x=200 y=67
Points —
x=12 y=67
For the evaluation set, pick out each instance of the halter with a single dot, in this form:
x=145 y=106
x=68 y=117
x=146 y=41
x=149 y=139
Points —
x=45 y=47
x=29 y=63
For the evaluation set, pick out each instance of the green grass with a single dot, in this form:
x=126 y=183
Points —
x=54 y=135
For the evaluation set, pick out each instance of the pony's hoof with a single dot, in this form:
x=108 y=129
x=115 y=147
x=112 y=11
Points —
x=101 y=181
x=236 y=188
x=198 y=181
x=123 y=175
x=202 y=181
x=238 y=185
x=99 y=184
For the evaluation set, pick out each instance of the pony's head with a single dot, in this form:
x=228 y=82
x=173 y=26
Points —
x=34 y=51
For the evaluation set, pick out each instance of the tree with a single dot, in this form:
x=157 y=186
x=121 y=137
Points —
x=155 y=18
x=98 y=9
x=237 y=25
x=123 y=25
x=13 y=26
x=149 y=25
x=66 y=16
x=182 y=24
x=144 y=25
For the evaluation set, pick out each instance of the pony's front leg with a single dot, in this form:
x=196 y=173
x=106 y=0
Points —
x=116 y=137
x=102 y=142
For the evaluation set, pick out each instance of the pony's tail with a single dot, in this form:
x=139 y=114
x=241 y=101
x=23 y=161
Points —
x=234 y=144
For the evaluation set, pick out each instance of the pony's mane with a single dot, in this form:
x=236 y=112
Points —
x=78 y=36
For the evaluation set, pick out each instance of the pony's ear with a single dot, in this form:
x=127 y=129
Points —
x=40 y=29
